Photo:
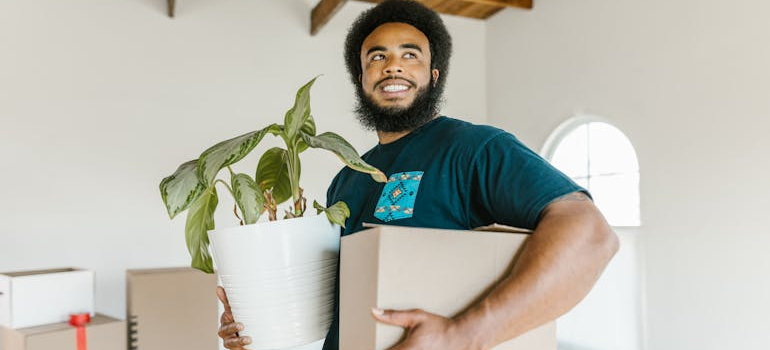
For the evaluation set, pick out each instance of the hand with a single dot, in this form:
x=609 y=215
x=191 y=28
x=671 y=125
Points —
x=229 y=329
x=424 y=330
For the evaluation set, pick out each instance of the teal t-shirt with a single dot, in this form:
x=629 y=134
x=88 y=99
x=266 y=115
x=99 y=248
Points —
x=449 y=174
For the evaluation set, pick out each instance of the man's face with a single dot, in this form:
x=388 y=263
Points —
x=395 y=61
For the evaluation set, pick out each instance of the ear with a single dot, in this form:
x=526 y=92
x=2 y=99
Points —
x=434 y=72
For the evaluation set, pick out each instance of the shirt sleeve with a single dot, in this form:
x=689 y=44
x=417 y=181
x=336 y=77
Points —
x=514 y=184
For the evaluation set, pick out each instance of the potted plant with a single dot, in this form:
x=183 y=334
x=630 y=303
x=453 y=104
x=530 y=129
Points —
x=279 y=274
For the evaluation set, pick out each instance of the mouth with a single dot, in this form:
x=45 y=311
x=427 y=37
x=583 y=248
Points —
x=393 y=89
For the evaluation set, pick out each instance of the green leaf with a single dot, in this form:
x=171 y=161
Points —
x=308 y=128
x=200 y=219
x=337 y=213
x=273 y=172
x=248 y=196
x=335 y=143
x=228 y=152
x=181 y=188
x=297 y=116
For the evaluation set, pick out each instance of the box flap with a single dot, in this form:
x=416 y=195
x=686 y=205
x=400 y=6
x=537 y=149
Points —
x=164 y=270
x=39 y=272
x=502 y=228
x=97 y=320
x=489 y=228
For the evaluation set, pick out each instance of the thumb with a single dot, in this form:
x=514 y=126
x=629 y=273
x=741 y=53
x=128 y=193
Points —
x=223 y=298
x=401 y=318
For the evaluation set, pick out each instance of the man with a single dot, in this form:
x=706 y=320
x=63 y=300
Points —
x=445 y=173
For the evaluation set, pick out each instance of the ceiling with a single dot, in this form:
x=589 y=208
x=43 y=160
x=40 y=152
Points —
x=324 y=10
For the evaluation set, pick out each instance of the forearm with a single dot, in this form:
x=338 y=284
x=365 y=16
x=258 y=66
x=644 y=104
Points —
x=560 y=263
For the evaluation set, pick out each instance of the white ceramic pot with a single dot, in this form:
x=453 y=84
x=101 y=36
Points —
x=278 y=278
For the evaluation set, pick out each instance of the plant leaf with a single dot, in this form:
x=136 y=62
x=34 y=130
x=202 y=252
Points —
x=248 y=196
x=335 y=143
x=297 y=116
x=228 y=152
x=308 y=128
x=200 y=219
x=181 y=188
x=337 y=213
x=273 y=172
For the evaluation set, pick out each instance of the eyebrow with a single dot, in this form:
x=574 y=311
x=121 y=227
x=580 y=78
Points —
x=376 y=48
x=403 y=46
x=411 y=46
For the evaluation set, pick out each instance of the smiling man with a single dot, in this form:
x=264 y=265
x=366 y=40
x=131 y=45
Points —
x=447 y=173
x=397 y=86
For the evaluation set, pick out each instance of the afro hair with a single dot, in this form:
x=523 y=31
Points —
x=400 y=11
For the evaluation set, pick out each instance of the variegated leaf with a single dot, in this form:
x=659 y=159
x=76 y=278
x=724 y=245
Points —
x=228 y=152
x=181 y=188
x=248 y=196
x=337 y=213
x=298 y=114
x=273 y=172
x=335 y=143
x=200 y=219
x=308 y=128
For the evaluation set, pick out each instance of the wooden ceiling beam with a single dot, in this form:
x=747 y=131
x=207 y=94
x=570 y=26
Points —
x=325 y=9
x=522 y=4
x=171 y=4
x=323 y=12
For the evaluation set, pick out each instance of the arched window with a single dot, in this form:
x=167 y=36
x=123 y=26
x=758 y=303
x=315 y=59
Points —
x=600 y=158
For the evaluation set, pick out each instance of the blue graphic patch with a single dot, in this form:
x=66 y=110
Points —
x=397 y=198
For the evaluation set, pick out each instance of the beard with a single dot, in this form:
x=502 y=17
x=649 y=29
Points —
x=397 y=119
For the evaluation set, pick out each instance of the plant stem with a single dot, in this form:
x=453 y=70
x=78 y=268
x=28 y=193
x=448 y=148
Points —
x=229 y=189
x=294 y=174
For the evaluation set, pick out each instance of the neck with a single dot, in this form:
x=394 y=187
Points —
x=389 y=137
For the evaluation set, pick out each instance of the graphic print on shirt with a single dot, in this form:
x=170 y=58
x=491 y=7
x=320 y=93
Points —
x=398 y=195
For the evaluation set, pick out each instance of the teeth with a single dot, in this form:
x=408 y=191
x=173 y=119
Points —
x=394 y=88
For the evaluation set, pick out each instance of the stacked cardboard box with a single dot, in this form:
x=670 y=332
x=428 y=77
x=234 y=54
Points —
x=34 y=298
x=102 y=333
x=440 y=271
x=35 y=307
x=172 y=308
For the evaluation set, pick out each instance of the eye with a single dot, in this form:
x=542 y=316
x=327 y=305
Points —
x=410 y=55
x=378 y=57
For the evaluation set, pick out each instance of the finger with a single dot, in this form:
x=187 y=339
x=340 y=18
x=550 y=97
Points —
x=237 y=343
x=401 y=318
x=230 y=330
x=226 y=318
x=223 y=298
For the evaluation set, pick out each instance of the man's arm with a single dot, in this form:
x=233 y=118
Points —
x=561 y=261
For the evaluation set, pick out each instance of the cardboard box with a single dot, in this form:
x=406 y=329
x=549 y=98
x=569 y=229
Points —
x=33 y=298
x=102 y=333
x=172 y=308
x=439 y=271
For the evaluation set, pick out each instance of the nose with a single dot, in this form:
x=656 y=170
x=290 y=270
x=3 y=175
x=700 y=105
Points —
x=393 y=67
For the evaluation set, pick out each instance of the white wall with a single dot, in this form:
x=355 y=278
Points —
x=689 y=83
x=99 y=100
